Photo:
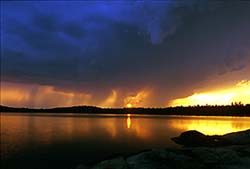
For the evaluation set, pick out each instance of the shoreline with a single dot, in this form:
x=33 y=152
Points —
x=233 y=110
x=74 y=114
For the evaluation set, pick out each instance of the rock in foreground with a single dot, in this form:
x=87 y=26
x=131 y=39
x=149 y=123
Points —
x=229 y=157
x=225 y=157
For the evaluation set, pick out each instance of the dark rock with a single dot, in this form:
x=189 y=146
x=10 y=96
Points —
x=148 y=160
x=217 y=156
x=226 y=157
x=195 y=138
x=202 y=152
x=162 y=159
x=238 y=138
x=82 y=167
x=115 y=163
x=206 y=155
x=222 y=157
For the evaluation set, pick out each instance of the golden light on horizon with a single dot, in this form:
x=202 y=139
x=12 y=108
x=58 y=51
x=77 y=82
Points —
x=138 y=99
x=129 y=105
x=238 y=93
x=36 y=96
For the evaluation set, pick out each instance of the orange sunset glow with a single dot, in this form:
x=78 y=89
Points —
x=104 y=84
x=238 y=93
x=19 y=95
x=129 y=105
x=29 y=95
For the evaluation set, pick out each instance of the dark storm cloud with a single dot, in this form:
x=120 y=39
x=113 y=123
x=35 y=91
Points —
x=74 y=30
x=170 y=46
x=46 y=22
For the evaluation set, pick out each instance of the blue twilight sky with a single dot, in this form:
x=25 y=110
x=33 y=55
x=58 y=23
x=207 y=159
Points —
x=168 y=47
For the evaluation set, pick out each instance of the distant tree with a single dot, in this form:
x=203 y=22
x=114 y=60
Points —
x=237 y=103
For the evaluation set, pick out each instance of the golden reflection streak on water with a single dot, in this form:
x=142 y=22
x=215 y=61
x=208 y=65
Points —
x=110 y=126
x=212 y=127
x=128 y=121
x=22 y=130
x=142 y=128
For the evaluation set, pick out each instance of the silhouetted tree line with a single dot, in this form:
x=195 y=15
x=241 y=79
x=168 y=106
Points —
x=232 y=110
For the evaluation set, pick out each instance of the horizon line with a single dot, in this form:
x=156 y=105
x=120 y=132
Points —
x=93 y=106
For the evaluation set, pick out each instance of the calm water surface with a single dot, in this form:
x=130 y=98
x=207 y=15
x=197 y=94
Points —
x=39 y=141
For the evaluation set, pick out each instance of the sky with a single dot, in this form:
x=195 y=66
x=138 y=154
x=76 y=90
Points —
x=124 y=54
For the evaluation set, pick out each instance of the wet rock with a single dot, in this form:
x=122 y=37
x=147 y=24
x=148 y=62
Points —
x=116 y=163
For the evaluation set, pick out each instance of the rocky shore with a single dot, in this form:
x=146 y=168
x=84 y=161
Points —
x=234 y=156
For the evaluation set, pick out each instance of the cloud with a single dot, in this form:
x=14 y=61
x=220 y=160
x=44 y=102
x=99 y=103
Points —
x=96 y=48
x=26 y=95
x=138 y=100
x=244 y=83
x=110 y=100
x=236 y=93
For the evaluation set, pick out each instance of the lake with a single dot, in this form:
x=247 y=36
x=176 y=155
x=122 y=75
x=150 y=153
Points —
x=47 y=140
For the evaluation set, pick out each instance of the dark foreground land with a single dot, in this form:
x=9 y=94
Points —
x=233 y=110
x=230 y=157
x=234 y=156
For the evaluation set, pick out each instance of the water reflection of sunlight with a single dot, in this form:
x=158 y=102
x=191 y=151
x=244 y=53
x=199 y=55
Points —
x=128 y=121
x=212 y=127
x=21 y=130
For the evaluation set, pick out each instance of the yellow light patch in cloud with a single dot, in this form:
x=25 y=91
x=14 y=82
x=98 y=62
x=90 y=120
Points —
x=237 y=93
x=110 y=100
x=137 y=100
x=129 y=105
